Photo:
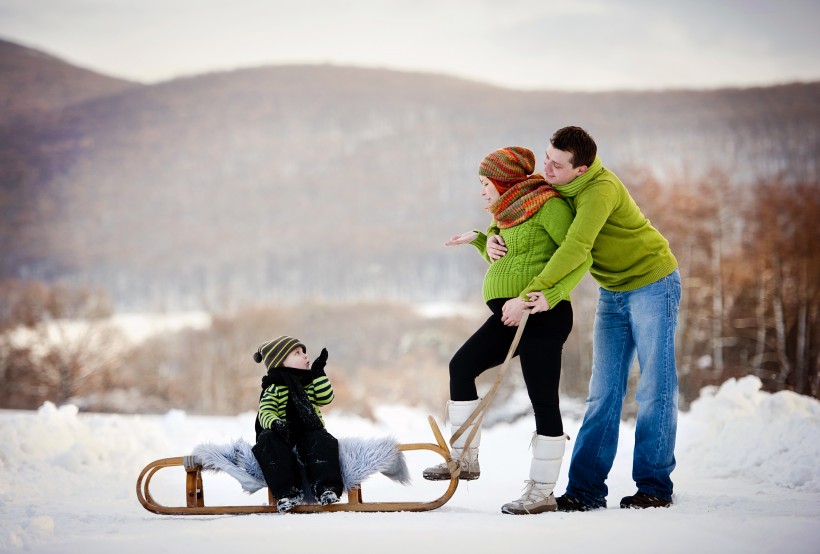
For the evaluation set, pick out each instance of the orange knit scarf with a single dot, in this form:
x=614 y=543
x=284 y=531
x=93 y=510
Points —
x=523 y=200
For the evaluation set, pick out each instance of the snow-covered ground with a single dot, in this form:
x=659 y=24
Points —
x=748 y=480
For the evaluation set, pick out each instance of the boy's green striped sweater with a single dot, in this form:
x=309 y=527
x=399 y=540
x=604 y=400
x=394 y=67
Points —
x=530 y=245
x=627 y=252
x=274 y=401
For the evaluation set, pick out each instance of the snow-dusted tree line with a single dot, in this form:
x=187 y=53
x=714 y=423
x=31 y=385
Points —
x=749 y=258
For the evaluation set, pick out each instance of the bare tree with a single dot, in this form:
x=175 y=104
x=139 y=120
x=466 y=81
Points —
x=55 y=342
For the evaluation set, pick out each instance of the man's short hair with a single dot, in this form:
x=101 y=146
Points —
x=577 y=142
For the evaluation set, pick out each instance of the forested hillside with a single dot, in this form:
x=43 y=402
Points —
x=331 y=181
x=35 y=81
x=239 y=192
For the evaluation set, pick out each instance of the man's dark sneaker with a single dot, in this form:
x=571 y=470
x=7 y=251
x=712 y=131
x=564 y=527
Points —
x=642 y=500
x=569 y=503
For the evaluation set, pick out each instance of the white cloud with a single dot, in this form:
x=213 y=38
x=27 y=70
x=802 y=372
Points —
x=586 y=44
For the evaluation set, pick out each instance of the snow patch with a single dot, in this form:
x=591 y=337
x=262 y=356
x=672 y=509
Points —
x=139 y=327
x=747 y=480
x=434 y=310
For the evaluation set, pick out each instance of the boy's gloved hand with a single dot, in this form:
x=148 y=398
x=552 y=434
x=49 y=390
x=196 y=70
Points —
x=318 y=365
x=282 y=429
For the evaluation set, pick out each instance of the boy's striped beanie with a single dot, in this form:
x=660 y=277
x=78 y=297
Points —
x=507 y=166
x=274 y=352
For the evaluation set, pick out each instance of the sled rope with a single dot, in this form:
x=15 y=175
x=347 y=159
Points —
x=478 y=412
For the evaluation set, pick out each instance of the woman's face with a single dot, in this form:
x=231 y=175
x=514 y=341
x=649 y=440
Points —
x=488 y=190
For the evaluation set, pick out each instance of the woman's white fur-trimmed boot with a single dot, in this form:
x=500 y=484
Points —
x=458 y=414
x=547 y=455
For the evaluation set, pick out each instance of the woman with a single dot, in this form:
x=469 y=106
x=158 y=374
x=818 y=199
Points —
x=530 y=221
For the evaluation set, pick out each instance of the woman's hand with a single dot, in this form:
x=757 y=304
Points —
x=496 y=247
x=513 y=311
x=537 y=303
x=463 y=238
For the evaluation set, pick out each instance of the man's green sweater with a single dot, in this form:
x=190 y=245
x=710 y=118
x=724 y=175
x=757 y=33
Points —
x=627 y=252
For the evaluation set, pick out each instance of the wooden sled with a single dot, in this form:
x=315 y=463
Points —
x=195 y=494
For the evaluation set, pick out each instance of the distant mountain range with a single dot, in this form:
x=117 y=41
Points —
x=35 y=81
x=319 y=181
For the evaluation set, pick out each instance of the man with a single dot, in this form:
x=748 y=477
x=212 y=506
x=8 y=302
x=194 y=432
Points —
x=637 y=313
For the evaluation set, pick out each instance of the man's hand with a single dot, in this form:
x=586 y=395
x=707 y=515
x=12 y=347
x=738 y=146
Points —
x=496 y=247
x=537 y=303
x=463 y=238
x=513 y=311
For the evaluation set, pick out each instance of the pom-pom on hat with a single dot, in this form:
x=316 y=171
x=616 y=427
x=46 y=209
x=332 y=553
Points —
x=274 y=352
x=507 y=166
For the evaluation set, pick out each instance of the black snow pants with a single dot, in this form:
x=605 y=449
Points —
x=317 y=464
x=540 y=351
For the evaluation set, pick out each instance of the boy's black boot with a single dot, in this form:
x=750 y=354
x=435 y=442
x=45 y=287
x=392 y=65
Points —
x=642 y=500
x=288 y=503
x=328 y=497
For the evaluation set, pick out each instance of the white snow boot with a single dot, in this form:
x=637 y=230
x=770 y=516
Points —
x=547 y=454
x=458 y=414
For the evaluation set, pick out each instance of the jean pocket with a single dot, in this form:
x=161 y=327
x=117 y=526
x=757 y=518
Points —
x=673 y=294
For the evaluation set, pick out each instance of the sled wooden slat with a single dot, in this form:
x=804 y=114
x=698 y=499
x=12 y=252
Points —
x=195 y=495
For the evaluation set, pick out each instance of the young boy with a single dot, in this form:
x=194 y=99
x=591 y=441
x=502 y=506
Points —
x=290 y=425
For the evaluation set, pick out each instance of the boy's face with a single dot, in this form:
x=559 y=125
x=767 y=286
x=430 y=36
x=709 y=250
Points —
x=297 y=359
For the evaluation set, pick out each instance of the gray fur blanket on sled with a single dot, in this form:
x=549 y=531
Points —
x=359 y=459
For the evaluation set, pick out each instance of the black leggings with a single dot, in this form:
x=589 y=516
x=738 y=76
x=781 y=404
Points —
x=540 y=353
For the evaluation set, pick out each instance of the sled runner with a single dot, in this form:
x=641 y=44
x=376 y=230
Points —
x=195 y=494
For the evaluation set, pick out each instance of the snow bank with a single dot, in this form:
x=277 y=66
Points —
x=738 y=429
x=748 y=480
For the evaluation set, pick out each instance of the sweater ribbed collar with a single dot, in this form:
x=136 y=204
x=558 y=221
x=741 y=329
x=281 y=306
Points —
x=575 y=186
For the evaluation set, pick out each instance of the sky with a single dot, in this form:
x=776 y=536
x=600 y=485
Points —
x=587 y=45
x=747 y=480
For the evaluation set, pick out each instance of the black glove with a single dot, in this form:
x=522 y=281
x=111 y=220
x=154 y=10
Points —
x=282 y=429
x=318 y=365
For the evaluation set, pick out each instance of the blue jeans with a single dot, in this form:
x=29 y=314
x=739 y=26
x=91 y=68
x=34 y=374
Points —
x=642 y=320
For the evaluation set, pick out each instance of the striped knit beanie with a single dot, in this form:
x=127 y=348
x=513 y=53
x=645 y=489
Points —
x=274 y=352
x=507 y=166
